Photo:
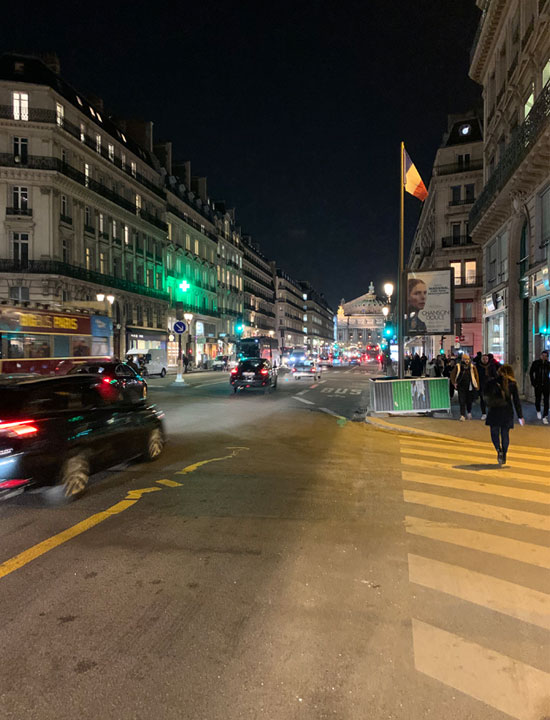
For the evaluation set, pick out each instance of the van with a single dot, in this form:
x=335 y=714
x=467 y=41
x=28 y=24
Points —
x=150 y=362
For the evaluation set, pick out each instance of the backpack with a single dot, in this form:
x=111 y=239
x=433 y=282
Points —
x=494 y=395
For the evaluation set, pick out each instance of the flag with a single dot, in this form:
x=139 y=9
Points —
x=411 y=178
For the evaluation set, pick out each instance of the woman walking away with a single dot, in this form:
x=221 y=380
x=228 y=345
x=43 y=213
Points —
x=501 y=396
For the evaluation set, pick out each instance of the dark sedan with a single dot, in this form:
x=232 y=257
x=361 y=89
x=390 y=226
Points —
x=58 y=431
x=253 y=373
x=121 y=375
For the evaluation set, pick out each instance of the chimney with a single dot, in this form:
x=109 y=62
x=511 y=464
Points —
x=198 y=185
x=141 y=132
x=183 y=172
x=96 y=101
x=51 y=61
x=163 y=151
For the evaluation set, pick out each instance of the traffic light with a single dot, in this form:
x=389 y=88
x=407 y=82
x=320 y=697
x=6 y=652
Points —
x=544 y=331
x=388 y=331
x=239 y=327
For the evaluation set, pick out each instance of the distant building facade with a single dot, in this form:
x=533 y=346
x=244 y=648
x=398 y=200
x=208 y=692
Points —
x=510 y=219
x=259 y=291
x=318 y=320
x=360 y=322
x=291 y=309
x=442 y=238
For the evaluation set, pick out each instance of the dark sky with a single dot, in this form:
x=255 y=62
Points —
x=294 y=110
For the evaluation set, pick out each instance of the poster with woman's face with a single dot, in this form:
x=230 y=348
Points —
x=429 y=295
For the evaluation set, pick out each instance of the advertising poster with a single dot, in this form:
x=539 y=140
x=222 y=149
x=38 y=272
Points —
x=429 y=303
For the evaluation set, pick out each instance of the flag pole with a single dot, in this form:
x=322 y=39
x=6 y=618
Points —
x=401 y=274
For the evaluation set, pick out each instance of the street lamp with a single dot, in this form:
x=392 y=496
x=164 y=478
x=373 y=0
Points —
x=385 y=311
x=388 y=289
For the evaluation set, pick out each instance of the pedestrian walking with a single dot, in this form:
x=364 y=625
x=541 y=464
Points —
x=466 y=381
x=416 y=366
x=486 y=372
x=185 y=361
x=502 y=397
x=539 y=374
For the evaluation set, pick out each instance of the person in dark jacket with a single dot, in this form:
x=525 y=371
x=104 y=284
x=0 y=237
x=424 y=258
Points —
x=465 y=379
x=485 y=372
x=502 y=397
x=416 y=366
x=539 y=373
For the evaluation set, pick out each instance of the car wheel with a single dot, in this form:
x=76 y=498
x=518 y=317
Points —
x=155 y=444
x=73 y=479
x=163 y=372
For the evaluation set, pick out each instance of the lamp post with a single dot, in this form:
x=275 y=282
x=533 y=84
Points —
x=188 y=317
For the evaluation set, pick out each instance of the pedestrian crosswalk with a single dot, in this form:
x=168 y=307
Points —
x=479 y=553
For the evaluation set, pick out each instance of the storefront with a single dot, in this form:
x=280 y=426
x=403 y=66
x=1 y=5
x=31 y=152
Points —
x=495 y=325
x=205 y=343
x=145 y=339
x=540 y=299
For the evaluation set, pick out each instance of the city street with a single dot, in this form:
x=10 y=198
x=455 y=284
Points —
x=283 y=559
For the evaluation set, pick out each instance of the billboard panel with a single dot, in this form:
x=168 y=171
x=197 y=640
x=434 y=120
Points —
x=429 y=303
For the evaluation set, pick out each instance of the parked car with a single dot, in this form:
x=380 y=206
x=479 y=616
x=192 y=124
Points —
x=308 y=370
x=125 y=378
x=223 y=362
x=253 y=373
x=150 y=362
x=58 y=431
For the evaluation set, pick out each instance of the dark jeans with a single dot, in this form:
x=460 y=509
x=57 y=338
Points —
x=542 y=392
x=499 y=432
x=482 y=403
x=465 y=401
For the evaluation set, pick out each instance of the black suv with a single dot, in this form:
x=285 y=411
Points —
x=121 y=375
x=58 y=431
x=253 y=373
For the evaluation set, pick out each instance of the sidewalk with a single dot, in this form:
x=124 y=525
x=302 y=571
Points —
x=447 y=426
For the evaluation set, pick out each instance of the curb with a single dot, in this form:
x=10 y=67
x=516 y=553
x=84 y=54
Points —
x=385 y=426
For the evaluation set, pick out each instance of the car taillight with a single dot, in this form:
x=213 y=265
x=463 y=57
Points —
x=312 y=370
x=264 y=371
x=293 y=369
x=19 y=428
x=234 y=371
x=107 y=380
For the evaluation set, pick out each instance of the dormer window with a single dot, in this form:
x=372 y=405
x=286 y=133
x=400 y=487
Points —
x=99 y=117
x=79 y=101
x=92 y=111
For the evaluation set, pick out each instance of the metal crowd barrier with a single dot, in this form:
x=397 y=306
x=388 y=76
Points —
x=410 y=395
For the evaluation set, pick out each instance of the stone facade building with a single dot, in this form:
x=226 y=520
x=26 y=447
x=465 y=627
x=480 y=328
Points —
x=442 y=237
x=291 y=309
x=510 y=219
x=259 y=291
x=360 y=322
x=318 y=320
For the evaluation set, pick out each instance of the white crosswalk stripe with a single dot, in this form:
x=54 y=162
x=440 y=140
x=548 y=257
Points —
x=480 y=535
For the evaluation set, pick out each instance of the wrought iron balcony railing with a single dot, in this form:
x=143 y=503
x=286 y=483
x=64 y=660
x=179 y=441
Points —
x=26 y=211
x=521 y=144
x=56 y=267
x=456 y=241
x=451 y=168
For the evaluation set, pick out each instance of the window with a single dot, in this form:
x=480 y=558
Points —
x=168 y=261
x=20 y=106
x=87 y=216
x=20 y=244
x=470 y=272
x=546 y=73
x=138 y=204
x=102 y=262
x=20 y=198
x=114 y=228
x=64 y=210
x=19 y=293
x=82 y=132
x=196 y=247
x=150 y=278
x=456 y=267
x=187 y=242
x=169 y=231
x=529 y=102
x=133 y=169
x=88 y=258
x=64 y=156
x=464 y=161
x=98 y=142
x=455 y=194
x=87 y=174
x=455 y=230
x=469 y=191
x=111 y=150
x=123 y=161
x=65 y=251
x=126 y=235
x=117 y=266
x=21 y=150
x=130 y=270
x=59 y=114
x=101 y=223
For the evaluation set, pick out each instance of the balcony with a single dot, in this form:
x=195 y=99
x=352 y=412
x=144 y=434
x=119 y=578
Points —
x=522 y=143
x=457 y=203
x=20 y=211
x=456 y=241
x=55 y=267
x=471 y=281
x=452 y=168
x=44 y=162
x=89 y=229
x=67 y=219
x=117 y=241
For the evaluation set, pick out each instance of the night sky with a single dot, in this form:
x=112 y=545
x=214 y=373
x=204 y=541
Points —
x=293 y=110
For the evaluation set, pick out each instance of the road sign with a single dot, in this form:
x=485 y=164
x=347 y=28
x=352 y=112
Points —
x=179 y=327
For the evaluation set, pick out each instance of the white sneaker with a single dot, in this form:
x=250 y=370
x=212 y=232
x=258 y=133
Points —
x=539 y=416
x=484 y=417
x=469 y=416
x=462 y=418
x=545 y=421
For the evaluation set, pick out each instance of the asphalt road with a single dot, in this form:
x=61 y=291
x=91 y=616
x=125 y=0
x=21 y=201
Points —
x=282 y=560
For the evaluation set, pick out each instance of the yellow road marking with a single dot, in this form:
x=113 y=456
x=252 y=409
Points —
x=472 y=486
x=490 y=512
x=45 y=546
x=477 y=448
x=169 y=483
x=514 y=688
x=484 y=542
x=132 y=497
x=458 y=455
x=517 y=601
x=137 y=494
x=501 y=473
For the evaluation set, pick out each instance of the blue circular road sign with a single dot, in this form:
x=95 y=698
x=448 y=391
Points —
x=179 y=327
